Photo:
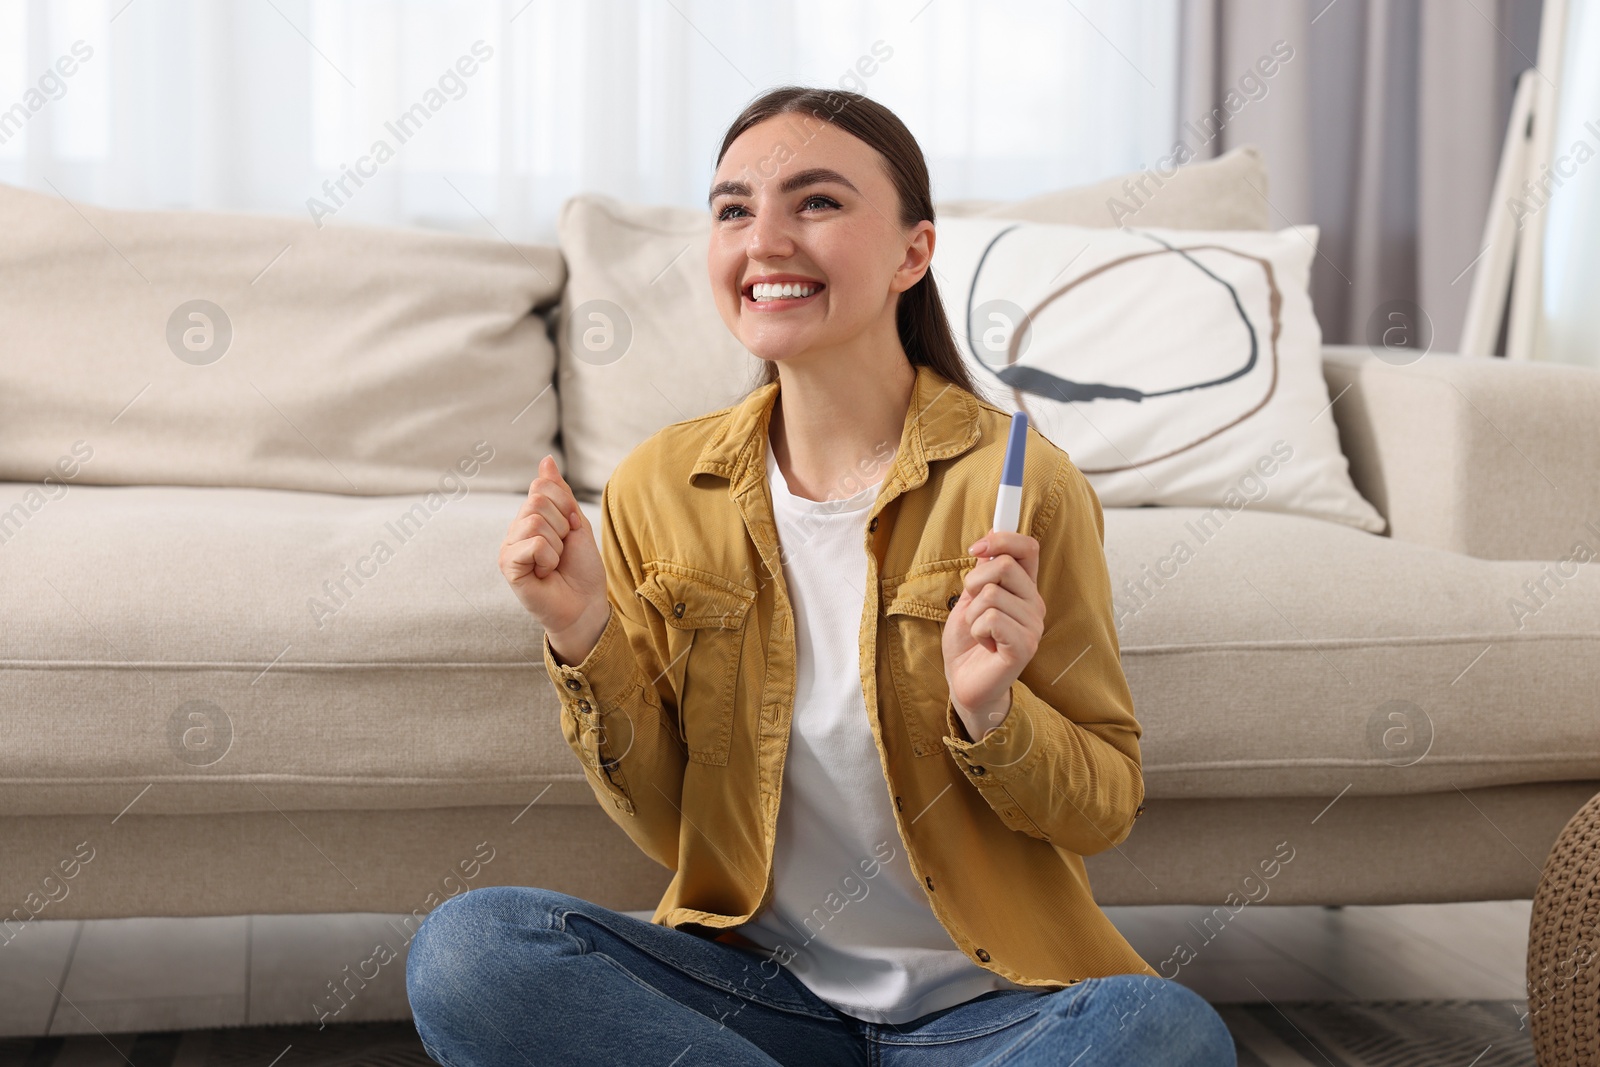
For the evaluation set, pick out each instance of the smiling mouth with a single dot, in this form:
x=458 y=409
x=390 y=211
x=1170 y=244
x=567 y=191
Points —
x=781 y=295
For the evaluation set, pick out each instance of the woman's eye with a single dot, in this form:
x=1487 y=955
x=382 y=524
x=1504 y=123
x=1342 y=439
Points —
x=827 y=201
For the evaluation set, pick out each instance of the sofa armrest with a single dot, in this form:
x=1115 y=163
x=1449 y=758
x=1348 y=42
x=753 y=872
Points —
x=1485 y=457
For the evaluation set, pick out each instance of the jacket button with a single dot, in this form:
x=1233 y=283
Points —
x=677 y=610
x=873 y=525
x=952 y=601
x=1138 y=811
x=929 y=879
x=583 y=704
x=897 y=806
x=983 y=955
x=573 y=683
x=977 y=769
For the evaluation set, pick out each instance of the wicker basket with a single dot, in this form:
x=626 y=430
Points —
x=1564 y=948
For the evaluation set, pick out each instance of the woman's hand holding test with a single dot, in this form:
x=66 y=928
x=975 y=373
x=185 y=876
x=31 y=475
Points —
x=994 y=629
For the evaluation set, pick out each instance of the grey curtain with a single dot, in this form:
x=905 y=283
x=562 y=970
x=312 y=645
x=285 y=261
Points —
x=1383 y=126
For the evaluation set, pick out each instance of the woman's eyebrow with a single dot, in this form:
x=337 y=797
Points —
x=797 y=180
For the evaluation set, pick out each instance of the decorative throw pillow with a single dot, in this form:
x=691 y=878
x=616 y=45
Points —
x=640 y=342
x=1175 y=367
x=201 y=348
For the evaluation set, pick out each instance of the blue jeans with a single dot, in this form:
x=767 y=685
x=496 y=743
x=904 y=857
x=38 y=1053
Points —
x=508 y=975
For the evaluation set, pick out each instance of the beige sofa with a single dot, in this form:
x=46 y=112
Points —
x=174 y=740
x=382 y=778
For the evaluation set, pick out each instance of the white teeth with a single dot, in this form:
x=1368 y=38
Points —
x=783 y=290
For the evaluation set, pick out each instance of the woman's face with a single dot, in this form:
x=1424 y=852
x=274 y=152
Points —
x=798 y=201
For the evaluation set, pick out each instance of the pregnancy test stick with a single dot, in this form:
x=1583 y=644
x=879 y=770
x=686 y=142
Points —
x=1008 y=501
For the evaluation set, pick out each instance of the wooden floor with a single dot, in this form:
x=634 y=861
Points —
x=121 y=975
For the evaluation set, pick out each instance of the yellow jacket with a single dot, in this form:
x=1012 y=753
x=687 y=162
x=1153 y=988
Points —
x=681 y=713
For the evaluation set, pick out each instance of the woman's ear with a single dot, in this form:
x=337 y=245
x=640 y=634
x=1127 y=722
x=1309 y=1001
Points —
x=918 y=257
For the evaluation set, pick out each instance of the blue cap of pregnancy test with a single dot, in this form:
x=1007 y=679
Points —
x=1015 y=445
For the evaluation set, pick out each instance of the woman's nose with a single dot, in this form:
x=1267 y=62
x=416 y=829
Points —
x=769 y=235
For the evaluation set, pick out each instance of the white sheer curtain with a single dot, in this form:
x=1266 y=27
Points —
x=253 y=105
x=1384 y=129
x=1568 y=325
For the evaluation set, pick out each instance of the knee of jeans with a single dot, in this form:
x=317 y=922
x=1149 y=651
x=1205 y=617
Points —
x=1193 y=1024
x=1171 y=1016
x=453 y=951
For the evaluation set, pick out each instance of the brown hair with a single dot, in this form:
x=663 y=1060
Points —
x=919 y=315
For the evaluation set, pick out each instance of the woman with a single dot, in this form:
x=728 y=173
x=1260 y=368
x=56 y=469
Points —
x=799 y=596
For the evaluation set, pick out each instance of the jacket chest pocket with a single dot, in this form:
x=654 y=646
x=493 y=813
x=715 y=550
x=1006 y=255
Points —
x=705 y=616
x=916 y=606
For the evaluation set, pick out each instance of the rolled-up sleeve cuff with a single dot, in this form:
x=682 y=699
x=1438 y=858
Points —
x=609 y=662
x=1008 y=751
x=1006 y=754
x=599 y=681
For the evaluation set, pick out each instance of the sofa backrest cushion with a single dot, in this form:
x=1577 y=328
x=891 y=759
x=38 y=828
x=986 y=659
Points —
x=1226 y=193
x=197 y=348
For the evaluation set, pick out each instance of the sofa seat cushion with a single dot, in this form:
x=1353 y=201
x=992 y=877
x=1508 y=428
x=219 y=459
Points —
x=189 y=649
x=225 y=649
x=1278 y=655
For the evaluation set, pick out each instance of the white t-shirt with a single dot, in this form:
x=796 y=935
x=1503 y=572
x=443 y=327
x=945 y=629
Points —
x=844 y=899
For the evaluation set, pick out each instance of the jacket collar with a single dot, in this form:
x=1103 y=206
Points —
x=941 y=421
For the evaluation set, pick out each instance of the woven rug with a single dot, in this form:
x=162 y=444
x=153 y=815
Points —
x=1386 y=1034
x=1405 y=1033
